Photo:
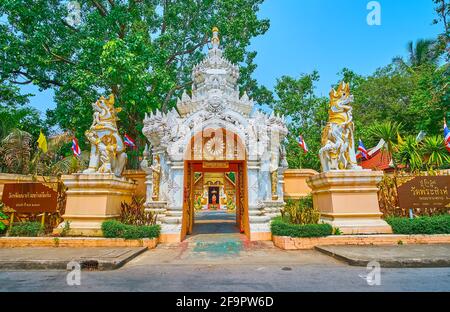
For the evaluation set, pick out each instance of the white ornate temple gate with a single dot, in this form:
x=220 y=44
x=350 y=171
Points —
x=215 y=126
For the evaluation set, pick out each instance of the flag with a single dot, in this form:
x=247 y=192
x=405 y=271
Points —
x=75 y=147
x=421 y=136
x=302 y=144
x=129 y=141
x=446 y=137
x=363 y=149
x=42 y=142
x=399 y=139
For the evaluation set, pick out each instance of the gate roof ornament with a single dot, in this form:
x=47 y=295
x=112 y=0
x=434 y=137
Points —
x=215 y=85
x=215 y=103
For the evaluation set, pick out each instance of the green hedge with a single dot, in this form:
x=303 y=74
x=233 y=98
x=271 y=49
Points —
x=26 y=229
x=116 y=229
x=282 y=228
x=3 y=216
x=422 y=225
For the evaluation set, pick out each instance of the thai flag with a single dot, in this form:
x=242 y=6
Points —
x=446 y=137
x=302 y=143
x=75 y=147
x=363 y=149
x=129 y=141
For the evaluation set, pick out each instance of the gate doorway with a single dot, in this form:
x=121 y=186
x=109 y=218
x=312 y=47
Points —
x=215 y=198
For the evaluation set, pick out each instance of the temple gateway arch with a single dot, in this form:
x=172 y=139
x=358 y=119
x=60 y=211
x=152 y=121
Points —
x=214 y=150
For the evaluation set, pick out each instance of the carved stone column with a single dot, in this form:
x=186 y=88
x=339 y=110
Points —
x=172 y=223
x=259 y=222
x=157 y=207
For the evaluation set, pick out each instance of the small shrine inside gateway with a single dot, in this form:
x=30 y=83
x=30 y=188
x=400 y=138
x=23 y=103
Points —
x=215 y=191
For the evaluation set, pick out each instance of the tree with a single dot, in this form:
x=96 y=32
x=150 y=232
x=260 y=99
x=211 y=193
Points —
x=423 y=52
x=15 y=112
x=387 y=131
x=141 y=51
x=442 y=9
x=434 y=153
x=16 y=150
x=416 y=98
x=306 y=113
x=408 y=153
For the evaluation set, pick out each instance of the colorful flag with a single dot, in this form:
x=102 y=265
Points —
x=363 y=149
x=446 y=137
x=42 y=142
x=75 y=147
x=302 y=144
x=399 y=139
x=129 y=141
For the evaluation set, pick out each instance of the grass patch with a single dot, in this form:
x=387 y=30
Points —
x=439 y=224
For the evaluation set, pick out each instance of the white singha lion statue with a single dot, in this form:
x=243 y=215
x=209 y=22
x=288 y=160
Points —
x=338 y=147
x=107 y=148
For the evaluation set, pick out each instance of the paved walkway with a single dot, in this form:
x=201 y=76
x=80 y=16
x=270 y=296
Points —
x=215 y=222
x=228 y=262
x=254 y=268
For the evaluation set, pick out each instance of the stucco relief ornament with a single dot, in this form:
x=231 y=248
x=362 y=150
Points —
x=214 y=148
x=215 y=103
x=338 y=147
x=156 y=176
x=107 y=148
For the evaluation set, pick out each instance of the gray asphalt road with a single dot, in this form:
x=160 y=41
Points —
x=261 y=269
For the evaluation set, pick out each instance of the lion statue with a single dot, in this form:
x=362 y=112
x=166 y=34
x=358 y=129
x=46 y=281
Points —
x=107 y=147
x=338 y=151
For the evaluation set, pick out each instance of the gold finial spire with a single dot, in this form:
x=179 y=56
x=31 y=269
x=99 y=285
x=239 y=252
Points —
x=215 y=39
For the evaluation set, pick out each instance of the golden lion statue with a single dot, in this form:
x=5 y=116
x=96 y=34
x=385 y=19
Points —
x=338 y=151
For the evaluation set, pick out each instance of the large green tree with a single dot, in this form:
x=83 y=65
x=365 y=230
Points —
x=307 y=113
x=416 y=96
x=142 y=51
x=15 y=113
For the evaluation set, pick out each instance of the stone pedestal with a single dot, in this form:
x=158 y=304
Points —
x=92 y=199
x=348 y=200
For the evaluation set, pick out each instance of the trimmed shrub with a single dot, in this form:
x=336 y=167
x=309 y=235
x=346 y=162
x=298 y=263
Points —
x=3 y=216
x=113 y=229
x=116 y=229
x=282 y=228
x=26 y=229
x=439 y=224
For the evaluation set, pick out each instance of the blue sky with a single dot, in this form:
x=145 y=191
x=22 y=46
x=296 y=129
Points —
x=325 y=35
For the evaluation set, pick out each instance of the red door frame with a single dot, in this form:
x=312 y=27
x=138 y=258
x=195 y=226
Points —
x=191 y=166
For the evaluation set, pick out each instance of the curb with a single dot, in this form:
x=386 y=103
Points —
x=296 y=243
x=89 y=264
x=75 y=242
x=390 y=263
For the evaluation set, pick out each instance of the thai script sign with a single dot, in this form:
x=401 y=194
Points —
x=30 y=197
x=425 y=192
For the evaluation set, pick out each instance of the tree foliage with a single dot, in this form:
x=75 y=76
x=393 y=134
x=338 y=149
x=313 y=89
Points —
x=142 y=51
x=306 y=113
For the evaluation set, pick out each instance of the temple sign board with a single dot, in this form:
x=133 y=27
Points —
x=427 y=192
x=30 y=197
